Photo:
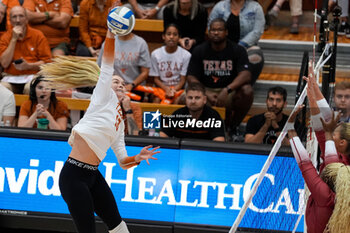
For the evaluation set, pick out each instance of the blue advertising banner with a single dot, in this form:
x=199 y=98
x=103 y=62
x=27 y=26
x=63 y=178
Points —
x=182 y=186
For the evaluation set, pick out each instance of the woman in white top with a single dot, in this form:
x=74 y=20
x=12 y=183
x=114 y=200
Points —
x=81 y=184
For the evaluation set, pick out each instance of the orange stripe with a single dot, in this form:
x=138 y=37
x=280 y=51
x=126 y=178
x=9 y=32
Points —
x=108 y=52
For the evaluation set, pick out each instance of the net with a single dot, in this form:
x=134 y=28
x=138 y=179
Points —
x=279 y=200
x=279 y=205
x=268 y=192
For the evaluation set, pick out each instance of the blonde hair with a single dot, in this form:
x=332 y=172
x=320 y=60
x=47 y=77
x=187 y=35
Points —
x=67 y=72
x=194 y=8
x=340 y=219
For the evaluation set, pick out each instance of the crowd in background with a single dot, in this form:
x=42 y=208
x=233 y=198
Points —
x=210 y=58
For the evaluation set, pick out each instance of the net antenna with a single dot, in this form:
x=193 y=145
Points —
x=274 y=151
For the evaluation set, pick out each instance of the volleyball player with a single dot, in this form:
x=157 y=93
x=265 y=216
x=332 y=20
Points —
x=320 y=109
x=327 y=207
x=82 y=186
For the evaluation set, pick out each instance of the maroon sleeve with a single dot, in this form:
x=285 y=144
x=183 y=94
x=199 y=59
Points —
x=320 y=191
x=321 y=139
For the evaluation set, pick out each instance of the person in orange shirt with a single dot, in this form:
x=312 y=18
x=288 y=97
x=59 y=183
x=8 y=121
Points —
x=22 y=50
x=92 y=26
x=42 y=104
x=5 y=8
x=53 y=20
x=2 y=18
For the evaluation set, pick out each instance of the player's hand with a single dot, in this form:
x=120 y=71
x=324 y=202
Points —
x=114 y=5
x=311 y=82
x=329 y=126
x=295 y=113
x=126 y=102
x=146 y=154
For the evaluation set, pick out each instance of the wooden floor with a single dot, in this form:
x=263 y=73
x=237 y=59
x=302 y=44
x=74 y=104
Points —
x=305 y=34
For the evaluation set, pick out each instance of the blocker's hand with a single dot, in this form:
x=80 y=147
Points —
x=295 y=113
x=329 y=126
x=146 y=154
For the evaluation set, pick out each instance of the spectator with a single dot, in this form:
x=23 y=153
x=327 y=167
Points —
x=295 y=10
x=53 y=20
x=22 y=50
x=42 y=103
x=147 y=9
x=344 y=25
x=76 y=6
x=132 y=60
x=2 y=18
x=5 y=8
x=7 y=106
x=191 y=18
x=342 y=100
x=245 y=23
x=222 y=67
x=208 y=4
x=329 y=133
x=196 y=111
x=132 y=112
x=326 y=208
x=169 y=63
x=265 y=127
x=265 y=4
x=92 y=26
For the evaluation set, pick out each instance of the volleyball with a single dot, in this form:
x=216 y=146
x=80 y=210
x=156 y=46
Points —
x=121 y=20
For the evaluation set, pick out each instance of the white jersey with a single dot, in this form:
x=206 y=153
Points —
x=169 y=66
x=102 y=126
x=7 y=103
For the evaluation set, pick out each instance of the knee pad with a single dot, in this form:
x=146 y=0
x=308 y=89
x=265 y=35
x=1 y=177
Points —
x=121 y=228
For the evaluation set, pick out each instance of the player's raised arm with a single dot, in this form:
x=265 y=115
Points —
x=101 y=91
